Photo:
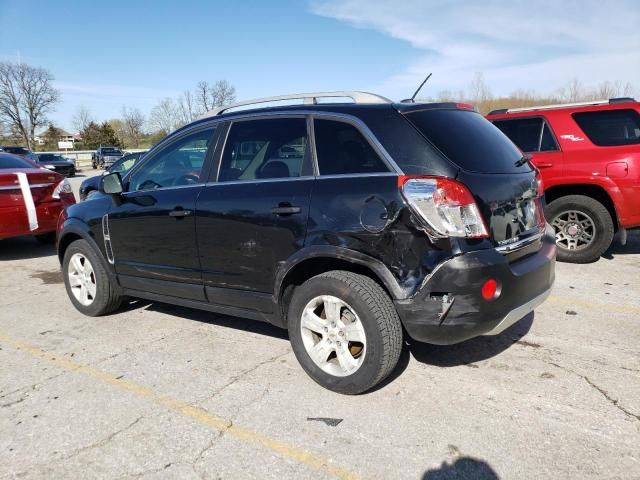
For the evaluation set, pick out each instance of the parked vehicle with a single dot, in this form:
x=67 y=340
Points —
x=31 y=198
x=57 y=163
x=21 y=152
x=92 y=184
x=105 y=156
x=384 y=221
x=589 y=156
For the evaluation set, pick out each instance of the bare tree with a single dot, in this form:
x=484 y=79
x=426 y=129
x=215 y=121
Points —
x=203 y=96
x=187 y=109
x=208 y=96
x=572 y=91
x=82 y=118
x=223 y=93
x=165 y=116
x=478 y=90
x=132 y=125
x=26 y=96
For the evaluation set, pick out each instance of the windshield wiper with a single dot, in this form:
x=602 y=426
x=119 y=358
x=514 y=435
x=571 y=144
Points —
x=523 y=160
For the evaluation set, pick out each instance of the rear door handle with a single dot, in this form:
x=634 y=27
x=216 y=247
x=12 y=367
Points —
x=544 y=165
x=180 y=212
x=285 y=210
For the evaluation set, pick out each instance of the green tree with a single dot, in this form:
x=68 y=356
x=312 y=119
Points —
x=51 y=136
x=95 y=135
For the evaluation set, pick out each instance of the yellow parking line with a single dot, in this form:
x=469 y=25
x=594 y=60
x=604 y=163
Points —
x=597 y=306
x=198 y=414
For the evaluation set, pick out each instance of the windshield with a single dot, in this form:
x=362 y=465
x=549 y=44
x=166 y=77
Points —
x=49 y=157
x=469 y=140
x=111 y=151
x=9 y=161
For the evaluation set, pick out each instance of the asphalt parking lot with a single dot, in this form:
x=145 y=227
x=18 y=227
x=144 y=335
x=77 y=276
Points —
x=157 y=391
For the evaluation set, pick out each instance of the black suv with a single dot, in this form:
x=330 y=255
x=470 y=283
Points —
x=350 y=224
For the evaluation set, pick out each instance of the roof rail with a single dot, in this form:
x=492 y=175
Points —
x=307 y=98
x=563 y=105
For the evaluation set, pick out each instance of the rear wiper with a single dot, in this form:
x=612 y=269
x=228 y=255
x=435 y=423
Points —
x=523 y=160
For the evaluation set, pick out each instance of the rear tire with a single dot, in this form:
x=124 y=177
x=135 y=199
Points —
x=83 y=272
x=584 y=228
x=351 y=328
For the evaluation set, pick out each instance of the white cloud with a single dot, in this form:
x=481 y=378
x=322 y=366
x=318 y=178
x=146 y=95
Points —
x=530 y=44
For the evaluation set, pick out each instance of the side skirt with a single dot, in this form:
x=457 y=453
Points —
x=209 y=307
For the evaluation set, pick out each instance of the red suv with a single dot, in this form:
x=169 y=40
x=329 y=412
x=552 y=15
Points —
x=589 y=156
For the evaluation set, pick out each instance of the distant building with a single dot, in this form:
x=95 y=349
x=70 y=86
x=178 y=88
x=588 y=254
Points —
x=64 y=137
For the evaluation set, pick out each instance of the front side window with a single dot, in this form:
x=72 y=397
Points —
x=178 y=164
x=608 y=128
x=529 y=134
x=265 y=149
x=342 y=149
x=125 y=163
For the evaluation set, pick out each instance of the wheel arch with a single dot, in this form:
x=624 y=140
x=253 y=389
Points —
x=313 y=261
x=73 y=231
x=591 y=190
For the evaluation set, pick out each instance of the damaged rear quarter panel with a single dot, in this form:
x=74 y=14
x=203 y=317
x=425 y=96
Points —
x=345 y=213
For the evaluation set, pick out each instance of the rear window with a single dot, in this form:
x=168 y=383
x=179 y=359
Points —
x=9 y=161
x=469 y=140
x=608 y=128
x=16 y=150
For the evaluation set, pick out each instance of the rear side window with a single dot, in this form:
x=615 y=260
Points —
x=342 y=149
x=469 y=140
x=265 y=149
x=9 y=161
x=529 y=134
x=608 y=128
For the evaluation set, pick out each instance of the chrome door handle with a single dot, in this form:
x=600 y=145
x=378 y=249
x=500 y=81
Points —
x=179 y=212
x=282 y=210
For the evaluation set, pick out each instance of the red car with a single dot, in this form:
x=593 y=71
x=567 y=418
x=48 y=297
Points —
x=589 y=156
x=31 y=198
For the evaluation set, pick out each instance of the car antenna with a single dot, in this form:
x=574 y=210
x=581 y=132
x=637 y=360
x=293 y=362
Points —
x=413 y=98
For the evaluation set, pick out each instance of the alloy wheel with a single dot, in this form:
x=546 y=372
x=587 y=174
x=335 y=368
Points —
x=82 y=279
x=333 y=335
x=575 y=230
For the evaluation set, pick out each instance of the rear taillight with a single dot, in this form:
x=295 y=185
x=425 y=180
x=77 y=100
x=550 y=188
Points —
x=63 y=187
x=64 y=192
x=445 y=206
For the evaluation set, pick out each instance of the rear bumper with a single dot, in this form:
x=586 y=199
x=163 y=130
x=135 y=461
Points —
x=14 y=223
x=449 y=307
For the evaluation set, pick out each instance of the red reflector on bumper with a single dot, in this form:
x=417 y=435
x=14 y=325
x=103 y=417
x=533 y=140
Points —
x=490 y=289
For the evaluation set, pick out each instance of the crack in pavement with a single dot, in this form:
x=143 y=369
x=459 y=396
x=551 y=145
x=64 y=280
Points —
x=603 y=392
x=246 y=372
x=209 y=446
x=78 y=451
x=33 y=385
x=101 y=443
x=613 y=401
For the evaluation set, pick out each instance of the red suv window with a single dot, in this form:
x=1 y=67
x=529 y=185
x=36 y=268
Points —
x=609 y=128
x=529 y=134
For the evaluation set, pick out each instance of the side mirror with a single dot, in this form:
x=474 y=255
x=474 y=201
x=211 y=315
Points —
x=112 y=184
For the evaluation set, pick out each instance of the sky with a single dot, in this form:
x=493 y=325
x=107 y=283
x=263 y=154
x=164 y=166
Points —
x=107 y=54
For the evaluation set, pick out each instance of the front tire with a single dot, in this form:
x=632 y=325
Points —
x=584 y=228
x=344 y=331
x=87 y=281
